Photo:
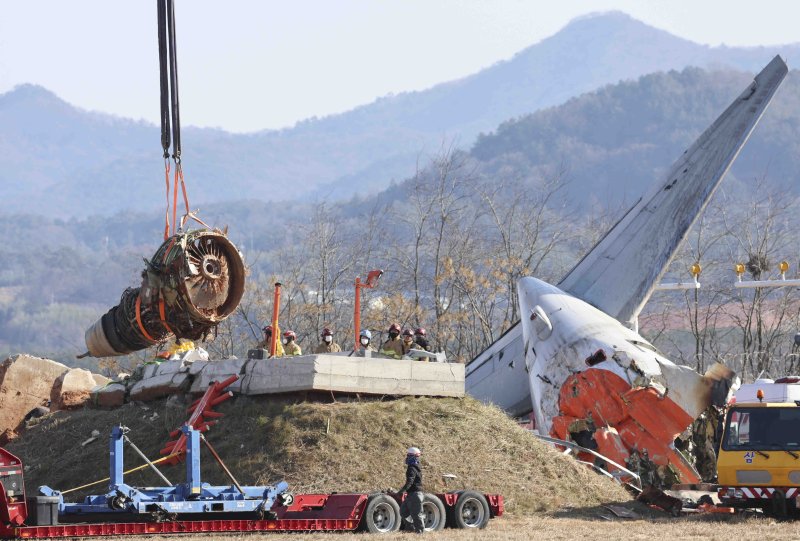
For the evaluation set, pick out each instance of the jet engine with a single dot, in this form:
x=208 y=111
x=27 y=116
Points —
x=193 y=282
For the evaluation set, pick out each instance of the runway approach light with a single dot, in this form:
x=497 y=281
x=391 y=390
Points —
x=694 y=270
x=783 y=266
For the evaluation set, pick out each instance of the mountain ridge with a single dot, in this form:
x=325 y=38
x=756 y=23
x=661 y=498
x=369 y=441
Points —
x=61 y=160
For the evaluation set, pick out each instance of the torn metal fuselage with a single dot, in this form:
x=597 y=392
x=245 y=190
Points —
x=630 y=398
x=591 y=378
x=193 y=282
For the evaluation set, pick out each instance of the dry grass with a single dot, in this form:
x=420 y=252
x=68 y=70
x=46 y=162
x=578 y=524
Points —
x=344 y=446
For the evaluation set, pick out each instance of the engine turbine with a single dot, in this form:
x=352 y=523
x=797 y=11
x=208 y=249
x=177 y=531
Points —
x=193 y=282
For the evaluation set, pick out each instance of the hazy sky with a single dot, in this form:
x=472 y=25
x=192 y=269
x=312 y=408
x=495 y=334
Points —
x=246 y=65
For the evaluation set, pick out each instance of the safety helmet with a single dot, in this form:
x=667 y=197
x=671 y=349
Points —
x=420 y=331
x=268 y=329
x=366 y=333
x=394 y=327
x=408 y=332
x=413 y=451
x=327 y=332
x=290 y=334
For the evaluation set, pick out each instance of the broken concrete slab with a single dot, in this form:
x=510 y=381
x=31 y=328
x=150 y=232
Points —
x=72 y=389
x=172 y=367
x=25 y=383
x=353 y=375
x=160 y=386
x=111 y=395
x=219 y=371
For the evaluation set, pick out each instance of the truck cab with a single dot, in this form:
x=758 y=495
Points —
x=758 y=464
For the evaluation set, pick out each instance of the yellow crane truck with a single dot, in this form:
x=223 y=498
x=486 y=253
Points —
x=758 y=464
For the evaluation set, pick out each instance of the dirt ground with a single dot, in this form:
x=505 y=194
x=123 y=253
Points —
x=552 y=527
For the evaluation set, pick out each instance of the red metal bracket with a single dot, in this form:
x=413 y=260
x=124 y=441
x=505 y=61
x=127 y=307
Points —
x=201 y=411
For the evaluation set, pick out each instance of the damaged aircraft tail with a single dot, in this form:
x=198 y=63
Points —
x=589 y=373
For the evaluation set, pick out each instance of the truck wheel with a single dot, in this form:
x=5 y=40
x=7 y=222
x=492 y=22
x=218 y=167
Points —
x=382 y=514
x=471 y=510
x=434 y=512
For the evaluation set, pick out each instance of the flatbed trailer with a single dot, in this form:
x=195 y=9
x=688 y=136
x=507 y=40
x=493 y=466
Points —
x=197 y=507
x=377 y=513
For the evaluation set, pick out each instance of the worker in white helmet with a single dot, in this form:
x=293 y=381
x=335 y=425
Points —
x=412 y=505
x=364 y=343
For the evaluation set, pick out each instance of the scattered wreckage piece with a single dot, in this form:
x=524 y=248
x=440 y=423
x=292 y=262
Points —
x=601 y=463
x=622 y=512
x=193 y=282
x=657 y=497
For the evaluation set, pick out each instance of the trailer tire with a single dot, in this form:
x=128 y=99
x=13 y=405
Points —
x=382 y=514
x=435 y=513
x=471 y=510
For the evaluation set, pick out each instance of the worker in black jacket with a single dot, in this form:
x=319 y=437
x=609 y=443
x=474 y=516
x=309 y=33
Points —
x=412 y=505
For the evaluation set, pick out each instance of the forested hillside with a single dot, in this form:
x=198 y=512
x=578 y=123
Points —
x=529 y=198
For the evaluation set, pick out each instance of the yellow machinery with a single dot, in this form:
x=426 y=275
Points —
x=759 y=456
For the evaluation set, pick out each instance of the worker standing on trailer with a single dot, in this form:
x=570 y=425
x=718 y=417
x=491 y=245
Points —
x=290 y=346
x=393 y=347
x=412 y=505
x=327 y=345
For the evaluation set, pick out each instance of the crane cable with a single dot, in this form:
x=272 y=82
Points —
x=170 y=113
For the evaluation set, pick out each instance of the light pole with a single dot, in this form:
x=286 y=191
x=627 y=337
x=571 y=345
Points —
x=372 y=281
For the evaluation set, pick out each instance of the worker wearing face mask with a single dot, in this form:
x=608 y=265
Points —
x=290 y=345
x=365 y=339
x=327 y=345
x=393 y=347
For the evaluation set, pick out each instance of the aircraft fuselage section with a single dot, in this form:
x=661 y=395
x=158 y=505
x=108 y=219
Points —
x=564 y=336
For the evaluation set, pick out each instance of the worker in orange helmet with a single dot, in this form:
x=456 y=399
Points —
x=393 y=347
x=327 y=345
x=421 y=339
x=290 y=345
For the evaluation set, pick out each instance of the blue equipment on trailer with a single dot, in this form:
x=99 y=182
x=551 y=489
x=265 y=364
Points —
x=190 y=497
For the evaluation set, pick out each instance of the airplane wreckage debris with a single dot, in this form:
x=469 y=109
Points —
x=591 y=377
x=192 y=283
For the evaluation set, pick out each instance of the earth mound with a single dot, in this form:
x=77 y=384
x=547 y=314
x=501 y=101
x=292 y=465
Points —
x=324 y=447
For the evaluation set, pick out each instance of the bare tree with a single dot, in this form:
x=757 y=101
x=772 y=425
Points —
x=759 y=233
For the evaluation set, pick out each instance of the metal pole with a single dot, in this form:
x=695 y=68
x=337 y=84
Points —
x=222 y=464
x=276 y=305
x=149 y=463
x=357 y=315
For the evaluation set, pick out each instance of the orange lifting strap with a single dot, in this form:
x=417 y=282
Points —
x=139 y=319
